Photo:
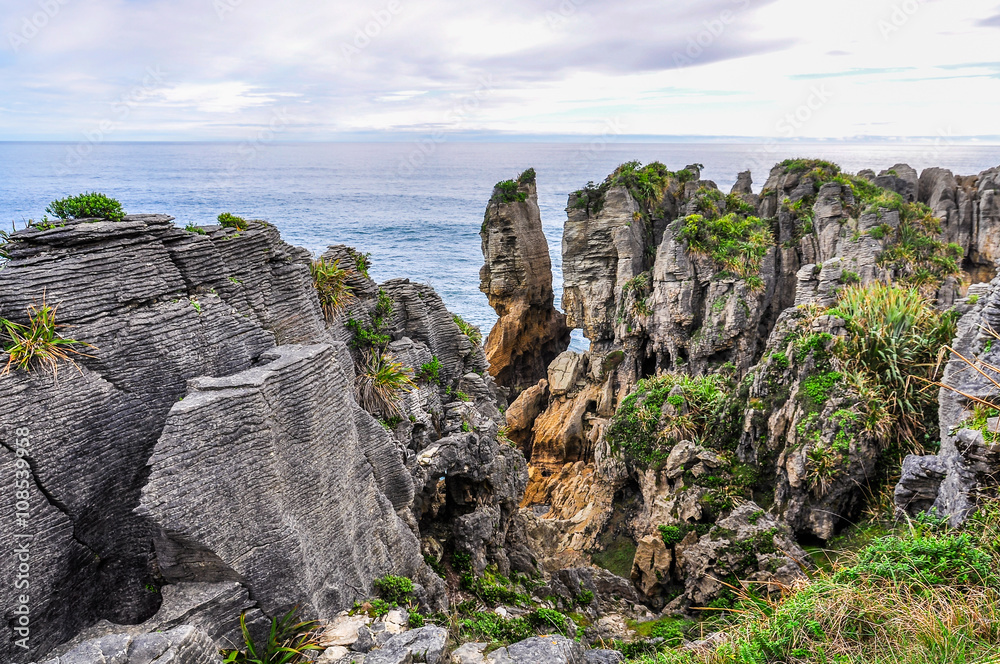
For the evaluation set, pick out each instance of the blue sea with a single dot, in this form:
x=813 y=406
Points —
x=417 y=207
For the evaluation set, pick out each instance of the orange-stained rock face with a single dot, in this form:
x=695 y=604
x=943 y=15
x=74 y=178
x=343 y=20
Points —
x=517 y=279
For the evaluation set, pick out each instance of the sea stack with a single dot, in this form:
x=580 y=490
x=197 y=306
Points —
x=517 y=279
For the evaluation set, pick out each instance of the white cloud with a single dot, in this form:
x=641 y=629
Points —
x=891 y=67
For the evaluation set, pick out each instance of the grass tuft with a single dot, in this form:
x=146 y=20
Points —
x=38 y=343
x=381 y=382
x=330 y=282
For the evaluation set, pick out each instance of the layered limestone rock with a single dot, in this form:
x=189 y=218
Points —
x=517 y=279
x=210 y=435
x=654 y=304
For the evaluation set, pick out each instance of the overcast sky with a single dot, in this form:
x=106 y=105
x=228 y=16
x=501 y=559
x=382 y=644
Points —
x=330 y=70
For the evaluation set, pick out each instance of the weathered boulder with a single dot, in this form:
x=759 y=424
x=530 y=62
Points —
x=181 y=645
x=517 y=279
x=261 y=424
x=425 y=644
x=540 y=650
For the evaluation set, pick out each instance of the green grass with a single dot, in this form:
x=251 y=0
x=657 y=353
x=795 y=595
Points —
x=37 y=344
x=227 y=220
x=332 y=289
x=380 y=383
x=86 y=206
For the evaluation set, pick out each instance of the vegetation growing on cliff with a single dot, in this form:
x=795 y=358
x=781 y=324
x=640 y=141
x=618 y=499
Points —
x=508 y=191
x=468 y=329
x=91 y=205
x=37 y=343
x=380 y=384
x=647 y=185
x=913 y=249
x=227 y=220
x=330 y=282
x=736 y=243
x=921 y=594
x=644 y=432
x=892 y=355
x=288 y=641
x=376 y=335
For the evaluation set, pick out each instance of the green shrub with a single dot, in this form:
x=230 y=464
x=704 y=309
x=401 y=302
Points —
x=550 y=619
x=507 y=192
x=636 y=431
x=585 y=597
x=87 y=206
x=949 y=559
x=817 y=388
x=469 y=330
x=430 y=371
x=489 y=626
x=394 y=589
x=38 y=343
x=736 y=243
x=191 y=228
x=380 y=383
x=807 y=165
x=332 y=289
x=416 y=620
x=461 y=561
x=376 y=335
x=672 y=534
x=227 y=220
x=362 y=262
x=289 y=641
x=892 y=351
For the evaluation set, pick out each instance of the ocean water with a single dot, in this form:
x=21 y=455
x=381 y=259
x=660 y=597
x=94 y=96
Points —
x=416 y=207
